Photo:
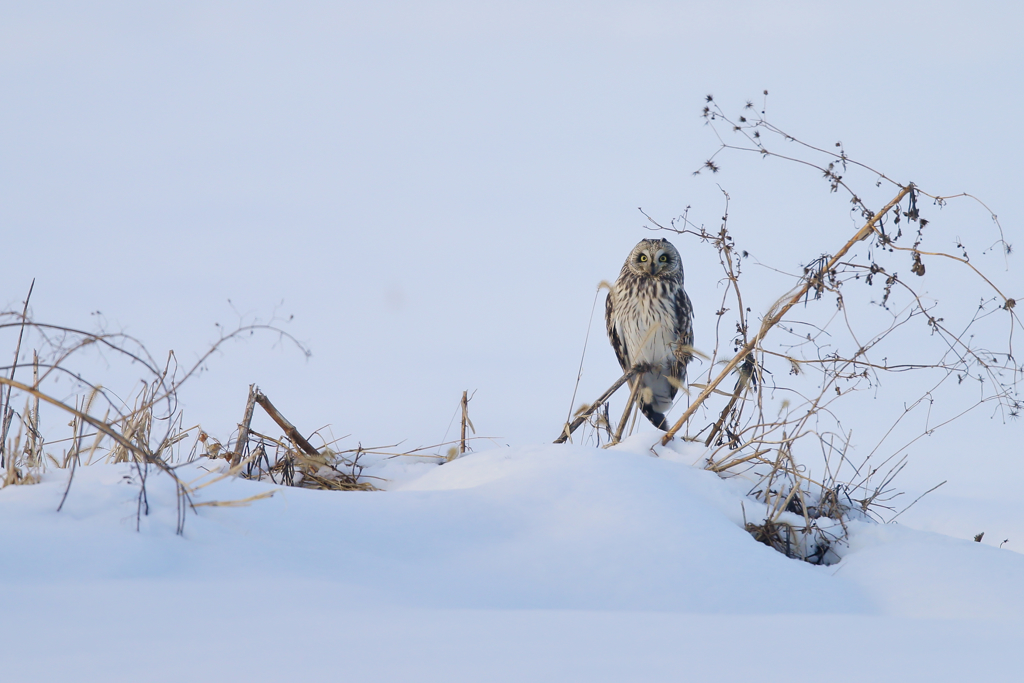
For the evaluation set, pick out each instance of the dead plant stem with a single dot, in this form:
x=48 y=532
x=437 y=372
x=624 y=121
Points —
x=630 y=404
x=465 y=417
x=284 y=424
x=582 y=417
x=5 y=405
x=774 y=317
x=243 y=428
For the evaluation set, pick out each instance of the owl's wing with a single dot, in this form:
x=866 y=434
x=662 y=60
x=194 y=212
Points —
x=684 y=332
x=613 y=335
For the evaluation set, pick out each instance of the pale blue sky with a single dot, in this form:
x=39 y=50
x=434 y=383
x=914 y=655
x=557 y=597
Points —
x=434 y=190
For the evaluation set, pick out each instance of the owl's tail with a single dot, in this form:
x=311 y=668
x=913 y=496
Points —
x=655 y=396
x=657 y=419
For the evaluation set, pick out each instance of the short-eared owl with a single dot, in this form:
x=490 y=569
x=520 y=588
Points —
x=649 y=320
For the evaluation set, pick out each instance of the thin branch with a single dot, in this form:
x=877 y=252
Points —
x=284 y=424
x=773 y=318
x=582 y=417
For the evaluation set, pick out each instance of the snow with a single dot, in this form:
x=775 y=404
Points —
x=532 y=563
x=427 y=196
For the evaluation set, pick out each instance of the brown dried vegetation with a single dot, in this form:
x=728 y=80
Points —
x=794 y=373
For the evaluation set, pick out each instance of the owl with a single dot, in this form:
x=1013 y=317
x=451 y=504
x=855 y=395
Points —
x=649 y=321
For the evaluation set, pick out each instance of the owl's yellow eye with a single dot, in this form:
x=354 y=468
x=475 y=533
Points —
x=643 y=258
x=664 y=258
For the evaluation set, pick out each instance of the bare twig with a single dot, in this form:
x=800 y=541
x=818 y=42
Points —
x=284 y=424
x=778 y=312
x=582 y=417
x=630 y=405
x=917 y=499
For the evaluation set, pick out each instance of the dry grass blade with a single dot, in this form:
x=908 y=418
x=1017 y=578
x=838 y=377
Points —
x=241 y=502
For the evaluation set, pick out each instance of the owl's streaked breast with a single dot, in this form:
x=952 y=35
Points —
x=646 y=319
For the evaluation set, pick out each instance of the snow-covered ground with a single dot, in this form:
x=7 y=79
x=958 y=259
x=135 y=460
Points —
x=543 y=563
x=433 y=191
